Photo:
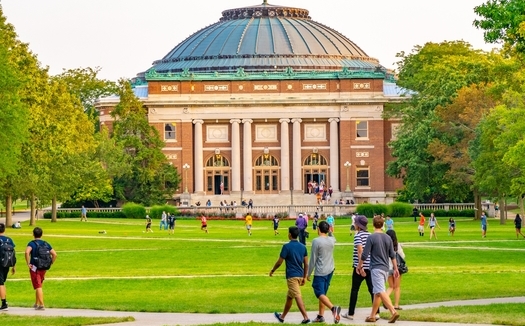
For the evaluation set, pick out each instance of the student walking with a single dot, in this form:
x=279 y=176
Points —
x=171 y=224
x=451 y=226
x=380 y=248
x=484 y=224
x=148 y=225
x=432 y=223
x=33 y=255
x=163 y=221
x=322 y=264
x=421 y=226
x=517 y=225
x=248 y=220
x=360 y=223
x=204 y=223
x=83 y=214
x=275 y=223
x=394 y=283
x=295 y=255
x=4 y=271
x=301 y=224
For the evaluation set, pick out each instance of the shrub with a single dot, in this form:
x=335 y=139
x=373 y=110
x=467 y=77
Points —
x=156 y=211
x=467 y=213
x=454 y=212
x=369 y=210
x=399 y=209
x=132 y=210
x=440 y=213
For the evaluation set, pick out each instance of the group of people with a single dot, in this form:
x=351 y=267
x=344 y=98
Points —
x=31 y=255
x=374 y=261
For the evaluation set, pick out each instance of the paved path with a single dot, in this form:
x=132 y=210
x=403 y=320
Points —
x=165 y=319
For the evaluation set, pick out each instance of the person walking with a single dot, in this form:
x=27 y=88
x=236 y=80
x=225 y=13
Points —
x=295 y=255
x=38 y=275
x=421 y=226
x=301 y=224
x=4 y=271
x=148 y=225
x=323 y=266
x=171 y=223
x=248 y=220
x=380 y=248
x=204 y=223
x=83 y=214
x=331 y=223
x=389 y=223
x=163 y=221
x=394 y=283
x=275 y=222
x=451 y=226
x=360 y=223
x=432 y=223
x=484 y=224
x=517 y=225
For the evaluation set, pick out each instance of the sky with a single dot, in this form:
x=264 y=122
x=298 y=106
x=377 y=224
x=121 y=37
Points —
x=124 y=37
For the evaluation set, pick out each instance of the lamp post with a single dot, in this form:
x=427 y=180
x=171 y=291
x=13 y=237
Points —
x=347 y=166
x=186 y=167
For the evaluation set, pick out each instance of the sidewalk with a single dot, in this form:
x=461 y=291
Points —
x=165 y=319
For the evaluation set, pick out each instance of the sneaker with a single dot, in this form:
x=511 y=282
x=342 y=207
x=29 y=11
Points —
x=34 y=306
x=347 y=316
x=305 y=321
x=40 y=308
x=278 y=316
x=4 y=307
x=378 y=317
x=319 y=319
x=336 y=311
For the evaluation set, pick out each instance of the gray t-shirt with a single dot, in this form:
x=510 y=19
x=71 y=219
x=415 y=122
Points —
x=381 y=250
x=322 y=256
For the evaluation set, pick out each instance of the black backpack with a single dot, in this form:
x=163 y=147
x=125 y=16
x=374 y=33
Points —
x=7 y=254
x=42 y=256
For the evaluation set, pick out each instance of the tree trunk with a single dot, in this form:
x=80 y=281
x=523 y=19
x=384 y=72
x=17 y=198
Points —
x=54 y=209
x=8 y=211
x=477 y=205
x=32 y=218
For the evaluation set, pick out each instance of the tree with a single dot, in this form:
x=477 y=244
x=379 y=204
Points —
x=151 y=180
x=435 y=73
x=85 y=84
x=503 y=21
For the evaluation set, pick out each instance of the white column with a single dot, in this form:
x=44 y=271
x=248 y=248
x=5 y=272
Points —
x=198 y=157
x=296 y=155
x=236 y=155
x=334 y=153
x=247 y=157
x=285 y=155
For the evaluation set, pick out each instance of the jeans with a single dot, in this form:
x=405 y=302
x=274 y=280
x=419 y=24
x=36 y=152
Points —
x=163 y=223
x=357 y=279
x=302 y=236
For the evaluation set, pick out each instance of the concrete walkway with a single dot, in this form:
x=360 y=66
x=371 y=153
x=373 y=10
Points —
x=165 y=319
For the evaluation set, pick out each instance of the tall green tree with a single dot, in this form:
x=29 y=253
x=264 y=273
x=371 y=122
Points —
x=85 y=84
x=435 y=73
x=151 y=179
x=503 y=21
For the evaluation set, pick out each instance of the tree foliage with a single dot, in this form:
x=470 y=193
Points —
x=151 y=179
x=503 y=21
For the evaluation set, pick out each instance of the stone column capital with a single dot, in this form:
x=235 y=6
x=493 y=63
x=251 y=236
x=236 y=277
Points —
x=232 y=121
x=299 y=120
x=198 y=121
x=333 y=120
x=247 y=121
x=284 y=120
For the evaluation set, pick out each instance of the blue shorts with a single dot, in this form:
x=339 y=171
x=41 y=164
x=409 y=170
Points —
x=321 y=284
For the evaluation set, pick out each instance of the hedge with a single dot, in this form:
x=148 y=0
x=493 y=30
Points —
x=132 y=210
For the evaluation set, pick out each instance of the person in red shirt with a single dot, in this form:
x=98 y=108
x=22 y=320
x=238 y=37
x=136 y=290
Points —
x=204 y=223
x=421 y=226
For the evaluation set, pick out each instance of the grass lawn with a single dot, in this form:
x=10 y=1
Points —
x=226 y=271
x=60 y=321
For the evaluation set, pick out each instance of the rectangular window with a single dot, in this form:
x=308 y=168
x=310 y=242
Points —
x=169 y=131
x=361 y=129
x=363 y=176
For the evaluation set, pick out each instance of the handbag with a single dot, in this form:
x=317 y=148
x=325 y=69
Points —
x=401 y=264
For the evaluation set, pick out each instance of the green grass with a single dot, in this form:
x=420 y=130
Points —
x=226 y=271
x=12 y=320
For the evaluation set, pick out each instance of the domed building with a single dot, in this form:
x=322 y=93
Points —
x=265 y=104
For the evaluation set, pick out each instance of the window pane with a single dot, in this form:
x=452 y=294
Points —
x=362 y=129
x=169 y=131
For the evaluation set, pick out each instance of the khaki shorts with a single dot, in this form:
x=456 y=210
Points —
x=294 y=287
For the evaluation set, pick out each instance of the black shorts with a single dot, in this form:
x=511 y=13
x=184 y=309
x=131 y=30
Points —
x=3 y=274
x=172 y=226
x=148 y=225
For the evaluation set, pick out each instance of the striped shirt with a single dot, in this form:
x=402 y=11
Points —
x=360 y=240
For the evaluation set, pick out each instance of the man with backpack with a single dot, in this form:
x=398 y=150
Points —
x=7 y=260
x=39 y=257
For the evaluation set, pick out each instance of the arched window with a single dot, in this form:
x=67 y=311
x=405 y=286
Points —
x=315 y=159
x=266 y=160
x=217 y=160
